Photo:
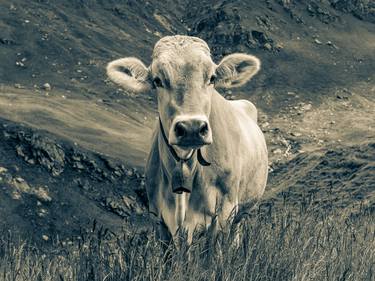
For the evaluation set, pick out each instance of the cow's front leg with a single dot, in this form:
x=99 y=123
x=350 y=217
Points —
x=163 y=234
x=228 y=210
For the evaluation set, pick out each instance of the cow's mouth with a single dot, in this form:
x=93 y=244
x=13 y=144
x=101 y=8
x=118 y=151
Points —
x=184 y=153
x=190 y=142
x=190 y=145
x=185 y=150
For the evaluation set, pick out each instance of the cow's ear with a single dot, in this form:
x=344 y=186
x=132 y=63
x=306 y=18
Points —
x=235 y=70
x=131 y=74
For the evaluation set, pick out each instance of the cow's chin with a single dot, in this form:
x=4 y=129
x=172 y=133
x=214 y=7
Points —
x=183 y=152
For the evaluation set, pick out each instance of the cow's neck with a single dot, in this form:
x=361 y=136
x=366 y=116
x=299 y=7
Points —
x=180 y=172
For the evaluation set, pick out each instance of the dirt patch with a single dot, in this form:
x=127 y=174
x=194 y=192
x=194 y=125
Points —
x=120 y=128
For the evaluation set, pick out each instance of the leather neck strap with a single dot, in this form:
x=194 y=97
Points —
x=200 y=158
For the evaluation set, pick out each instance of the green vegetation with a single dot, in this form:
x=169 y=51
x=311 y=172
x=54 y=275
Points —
x=275 y=244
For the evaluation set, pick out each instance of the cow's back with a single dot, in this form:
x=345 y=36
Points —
x=239 y=145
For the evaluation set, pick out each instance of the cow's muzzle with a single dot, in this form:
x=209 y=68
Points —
x=190 y=133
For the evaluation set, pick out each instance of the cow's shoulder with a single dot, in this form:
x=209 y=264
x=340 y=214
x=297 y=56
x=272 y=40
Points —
x=152 y=174
x=247 y=107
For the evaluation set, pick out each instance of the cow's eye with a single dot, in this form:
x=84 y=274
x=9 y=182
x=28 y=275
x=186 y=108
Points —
x=157 y=82
x=212 y=79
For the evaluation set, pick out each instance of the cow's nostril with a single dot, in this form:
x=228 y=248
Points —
x=203 y=130
x=180 y=130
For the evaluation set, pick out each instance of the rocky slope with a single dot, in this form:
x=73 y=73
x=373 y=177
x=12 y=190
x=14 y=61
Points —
x=72 y=150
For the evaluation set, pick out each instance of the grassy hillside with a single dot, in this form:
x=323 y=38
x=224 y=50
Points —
x=275 y=244
x=72 y=197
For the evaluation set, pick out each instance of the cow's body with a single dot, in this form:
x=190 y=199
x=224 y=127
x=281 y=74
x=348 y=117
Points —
x=208 y=155
x=237 y=174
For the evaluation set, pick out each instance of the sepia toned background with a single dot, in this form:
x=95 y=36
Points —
x=73 y=145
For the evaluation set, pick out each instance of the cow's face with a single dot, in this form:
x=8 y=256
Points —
x=183 y=76
x=184 y=86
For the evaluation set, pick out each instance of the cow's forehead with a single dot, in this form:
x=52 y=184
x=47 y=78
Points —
x=179 y=44
x=181 y=55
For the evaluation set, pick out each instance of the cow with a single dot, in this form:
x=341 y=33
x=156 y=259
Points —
x=208 y=155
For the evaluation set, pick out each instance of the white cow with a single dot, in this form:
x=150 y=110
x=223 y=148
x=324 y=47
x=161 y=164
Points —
x=208 y=154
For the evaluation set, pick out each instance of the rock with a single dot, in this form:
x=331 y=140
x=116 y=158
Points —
x=284 y=142
x=277 y=151
x=229 y=96
x=78 y=165
x=48 y=154
x=30 y=161
x=42 y=194
x=342 y=97
x=260 y=37
x=35 y=148
x=279 y=46
x=317 y=41
x=19 y=151
x=129 y=173
x=307 y=106
x=296 y=134
x=267 y=46
x=18 y=86
x=19 y=179
x=127 y=202
x=16 y=195
x=46 y=87
x=21 y=185
x=93 y=165
x=110 y=164
x=76 y=157
x=105 y=175
x=3 y=170
x=117 y=173
x=85 y=185
x=42 y=212
x=329 y=43
x=321 y=13
x=20 y=64
x=117 y=206
x=143 y=183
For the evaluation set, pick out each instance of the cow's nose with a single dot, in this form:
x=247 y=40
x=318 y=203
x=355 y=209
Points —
x=180 y=129
x=191 y=133
x=183 y=128
x=203 y=129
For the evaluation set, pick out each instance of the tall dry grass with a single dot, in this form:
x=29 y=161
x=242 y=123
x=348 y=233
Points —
x=275 y=244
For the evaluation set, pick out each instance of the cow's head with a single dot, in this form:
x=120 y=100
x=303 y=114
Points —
x=183 y=76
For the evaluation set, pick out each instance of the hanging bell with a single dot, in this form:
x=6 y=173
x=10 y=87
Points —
x=181 y=178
